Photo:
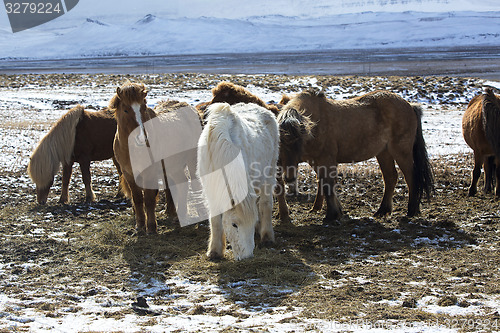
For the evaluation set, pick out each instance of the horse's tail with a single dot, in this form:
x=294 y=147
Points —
x=423 y=176
x=229 y=184
x=55 y=148
x=491 y=120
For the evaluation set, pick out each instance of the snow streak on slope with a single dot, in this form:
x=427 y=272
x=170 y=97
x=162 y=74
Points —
x=153 y=35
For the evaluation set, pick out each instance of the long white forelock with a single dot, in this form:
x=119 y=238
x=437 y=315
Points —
x=137 y=111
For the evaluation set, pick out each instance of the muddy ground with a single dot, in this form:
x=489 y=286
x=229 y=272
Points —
x=440 y=269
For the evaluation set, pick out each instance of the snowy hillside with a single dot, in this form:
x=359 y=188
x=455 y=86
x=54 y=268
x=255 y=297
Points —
x=197 y=27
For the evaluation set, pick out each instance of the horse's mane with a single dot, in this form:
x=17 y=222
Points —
x=219 y=152
x=491 y=119
x=171 y=105
x=294 y=124
x=233 y=94
x=314 y=92
x=55 y=148
x=129 y=92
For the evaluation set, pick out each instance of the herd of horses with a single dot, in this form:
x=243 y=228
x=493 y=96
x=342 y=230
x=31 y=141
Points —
x=271 y=140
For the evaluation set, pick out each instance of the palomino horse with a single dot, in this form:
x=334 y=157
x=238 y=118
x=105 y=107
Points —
x=237 y=155
x=131 y=111
x=480 y=126
x=78 y=136
x=325 y=132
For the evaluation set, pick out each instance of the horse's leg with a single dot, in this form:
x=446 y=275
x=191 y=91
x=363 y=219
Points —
x=405 y=162
x=150 y=198
x=488 y=166
x=476 y=173
x=66 y=176
x=390 y=174
x=87 y=180
x=217 y=242
x=178 y=185
x=318 y=201
x=119 y=193
x=279 y=192
x=333 y=207
x=265 y=216
x=137 y=202
x=495 y=166
x=170 y=204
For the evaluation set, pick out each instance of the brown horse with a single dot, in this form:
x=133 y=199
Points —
x=78 y=136
x=380 y=124
x=480 y=126
x=131 y=112
x=228 y=92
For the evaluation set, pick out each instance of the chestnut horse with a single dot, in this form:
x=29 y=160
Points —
x=131 y=112
x=325 y=132
x=78 y=136
x=480 y=126
x=228 y=92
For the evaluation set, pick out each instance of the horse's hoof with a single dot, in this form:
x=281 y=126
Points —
x=472 y=192
x=286 y=220
x=267 y=241
x=213 y=256
x=381 y=213
x=266 y=244
x=413 y=214
x=152 y=232
x=331 y=221
x=140 y=231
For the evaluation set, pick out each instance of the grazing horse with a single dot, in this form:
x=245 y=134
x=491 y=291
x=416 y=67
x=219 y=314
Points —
x=326 y=132
x=78 y=136
x=480 y=127
x=228 y=92
x=131 y=112
x=237 y=155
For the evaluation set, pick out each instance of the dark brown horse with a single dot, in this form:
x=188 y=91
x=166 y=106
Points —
x=480 y=127
x=78 y=136
x=325 y=132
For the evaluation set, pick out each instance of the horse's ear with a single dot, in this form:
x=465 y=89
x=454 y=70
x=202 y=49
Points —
x=144 y=90
x=118 y=91
x=115 y=101
x=284 y=99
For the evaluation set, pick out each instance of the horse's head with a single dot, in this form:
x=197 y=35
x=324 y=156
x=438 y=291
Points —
x=129 y=105
x=295 y=130
x=239 y=227
x=42 y=193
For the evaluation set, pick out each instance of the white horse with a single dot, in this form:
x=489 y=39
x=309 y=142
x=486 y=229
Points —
x=237 y=161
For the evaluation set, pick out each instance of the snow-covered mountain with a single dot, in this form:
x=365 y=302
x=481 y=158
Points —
x=223 y=26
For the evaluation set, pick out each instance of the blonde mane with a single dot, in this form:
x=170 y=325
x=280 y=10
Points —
x=54 y=148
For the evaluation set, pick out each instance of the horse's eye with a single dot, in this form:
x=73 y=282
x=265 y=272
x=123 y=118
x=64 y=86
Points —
x=235 y=225
x=126 y=111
